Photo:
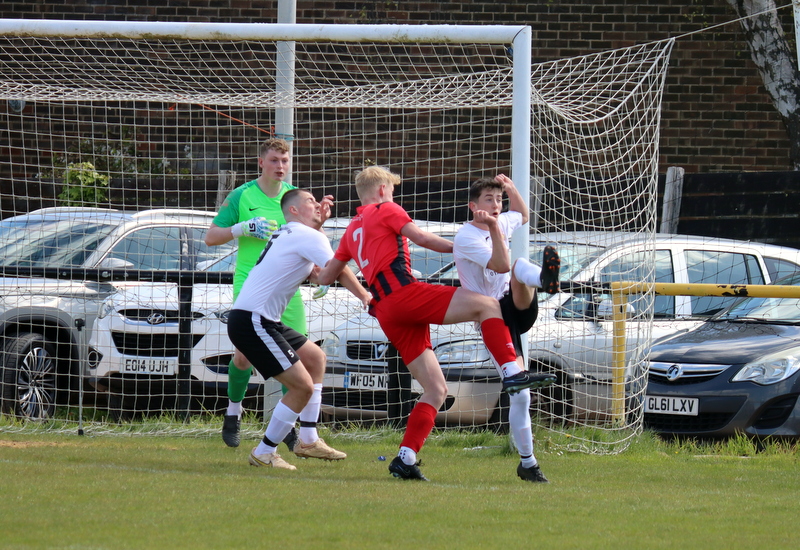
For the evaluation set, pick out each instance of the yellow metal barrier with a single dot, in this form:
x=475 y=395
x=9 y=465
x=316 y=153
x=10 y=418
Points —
x=619 y=295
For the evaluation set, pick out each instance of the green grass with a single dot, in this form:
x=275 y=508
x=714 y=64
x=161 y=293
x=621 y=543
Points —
x=144 y=491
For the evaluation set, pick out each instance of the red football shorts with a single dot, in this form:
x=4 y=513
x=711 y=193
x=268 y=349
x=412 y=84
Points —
x=406 y=314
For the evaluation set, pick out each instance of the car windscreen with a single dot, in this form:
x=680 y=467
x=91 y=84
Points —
x=767 y=310
x=574 y=256
x=42 y=242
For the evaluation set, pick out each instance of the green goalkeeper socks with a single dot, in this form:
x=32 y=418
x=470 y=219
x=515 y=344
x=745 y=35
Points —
x=237 y=382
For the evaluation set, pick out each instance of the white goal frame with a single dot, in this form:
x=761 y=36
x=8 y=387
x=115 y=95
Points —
x=582 y=131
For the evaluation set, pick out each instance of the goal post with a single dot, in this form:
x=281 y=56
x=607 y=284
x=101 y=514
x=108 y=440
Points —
x=149 y=118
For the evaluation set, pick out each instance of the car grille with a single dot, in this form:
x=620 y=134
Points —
x=351 y=399
x=366 y=351
x=151 y=345
x=676 y=423
x=678 y=374
x=368 y=400
x=146 y=315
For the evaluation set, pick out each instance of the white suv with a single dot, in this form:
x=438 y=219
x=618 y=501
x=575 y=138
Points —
x=572 y=336
x=46 y=323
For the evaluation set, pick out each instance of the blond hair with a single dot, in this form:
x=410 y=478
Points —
x=372 y=177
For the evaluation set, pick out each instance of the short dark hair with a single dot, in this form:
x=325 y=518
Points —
x=480 y=185
x=289 y=198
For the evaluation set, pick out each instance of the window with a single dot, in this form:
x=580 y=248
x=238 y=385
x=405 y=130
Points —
x=152 y=248
x=711 y=267
x=628 y=267
x=779 y=269
x=206 y=255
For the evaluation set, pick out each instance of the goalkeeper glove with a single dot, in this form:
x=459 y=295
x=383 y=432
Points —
x=321 y=291
x=259 y=228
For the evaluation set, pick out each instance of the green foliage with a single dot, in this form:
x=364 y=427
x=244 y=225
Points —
x=83 y=185
x=87 y=166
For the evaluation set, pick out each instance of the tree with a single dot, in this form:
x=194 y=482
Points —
x=771 y=54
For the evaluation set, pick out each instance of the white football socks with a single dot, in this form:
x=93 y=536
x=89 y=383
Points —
x=408 y=456
x=310 y=414
x=281 y=423
x=234 y=409
x=519 y=420
x=528 y=273
x=509 y=369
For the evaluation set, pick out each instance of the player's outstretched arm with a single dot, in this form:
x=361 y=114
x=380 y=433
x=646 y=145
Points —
x=348 y=280
x=330 y=272
x=216 y=235
x=259 y=228
x=426 y=239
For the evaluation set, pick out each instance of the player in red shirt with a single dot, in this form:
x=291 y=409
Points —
x=377 y=239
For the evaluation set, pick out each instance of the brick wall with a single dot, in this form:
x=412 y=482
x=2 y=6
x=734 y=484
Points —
x=716 y=115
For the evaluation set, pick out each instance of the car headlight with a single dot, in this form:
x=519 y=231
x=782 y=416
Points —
x=330 y=345
x=770 y=369
x=106 y=308
x=223 y=315
x=465 y=351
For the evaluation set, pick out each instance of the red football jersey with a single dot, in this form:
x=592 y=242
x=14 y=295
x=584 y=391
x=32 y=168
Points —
x=374 y=241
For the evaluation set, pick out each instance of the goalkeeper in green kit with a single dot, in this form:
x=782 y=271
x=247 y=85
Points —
x=250 y=213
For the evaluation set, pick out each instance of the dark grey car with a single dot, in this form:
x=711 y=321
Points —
x=736 y=373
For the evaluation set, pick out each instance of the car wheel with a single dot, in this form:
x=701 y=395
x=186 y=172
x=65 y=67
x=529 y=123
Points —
x=29 y=377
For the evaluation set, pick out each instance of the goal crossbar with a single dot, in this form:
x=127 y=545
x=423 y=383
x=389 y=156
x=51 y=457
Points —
x=482 y=34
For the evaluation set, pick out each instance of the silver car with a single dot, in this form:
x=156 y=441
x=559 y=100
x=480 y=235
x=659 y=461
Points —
x=572 y=336
x=46 y=322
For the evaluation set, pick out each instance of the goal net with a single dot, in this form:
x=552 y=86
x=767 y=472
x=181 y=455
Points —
x=121 y=140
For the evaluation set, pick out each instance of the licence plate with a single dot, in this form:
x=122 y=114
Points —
x=150 y=366
x=686 y=406
x=365 y=381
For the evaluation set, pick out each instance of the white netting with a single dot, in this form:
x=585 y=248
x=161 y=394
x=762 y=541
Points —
x=140 y=124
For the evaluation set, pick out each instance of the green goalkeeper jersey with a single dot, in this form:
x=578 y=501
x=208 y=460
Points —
x=244 y=203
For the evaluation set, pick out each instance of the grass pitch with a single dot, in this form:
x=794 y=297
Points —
x=65 y=491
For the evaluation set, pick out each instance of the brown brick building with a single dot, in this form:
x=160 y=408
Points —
x=716 y=115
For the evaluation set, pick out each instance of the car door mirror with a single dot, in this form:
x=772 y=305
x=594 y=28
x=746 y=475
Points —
x=605 y=309
x=115 y=263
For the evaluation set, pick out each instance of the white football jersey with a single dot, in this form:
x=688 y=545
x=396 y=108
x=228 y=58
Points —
x=472 y=250
x=287 y=261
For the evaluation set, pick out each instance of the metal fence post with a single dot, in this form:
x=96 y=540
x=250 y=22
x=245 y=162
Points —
x=398 y=393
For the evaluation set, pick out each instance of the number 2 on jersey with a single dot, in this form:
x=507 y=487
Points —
x=358 y=236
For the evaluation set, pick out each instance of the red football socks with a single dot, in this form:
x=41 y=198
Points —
x=420 y=424
x=498 y=340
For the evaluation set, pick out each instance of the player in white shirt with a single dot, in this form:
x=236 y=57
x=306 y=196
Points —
x=482 y=257
x=293 y=254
